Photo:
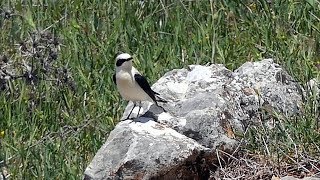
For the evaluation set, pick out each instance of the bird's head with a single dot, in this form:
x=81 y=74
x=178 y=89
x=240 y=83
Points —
x=124 y=61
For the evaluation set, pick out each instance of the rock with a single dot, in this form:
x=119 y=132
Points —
x=270 y=85
x=146 y=149
x=201 y=109
x=265 y=86
x=208 y=106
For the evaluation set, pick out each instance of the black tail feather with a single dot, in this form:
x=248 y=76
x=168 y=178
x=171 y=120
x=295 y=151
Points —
x=155 y=92
x=162 y=100
x=159 y=99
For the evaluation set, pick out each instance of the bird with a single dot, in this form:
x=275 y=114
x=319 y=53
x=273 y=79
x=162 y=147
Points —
x=132 y=85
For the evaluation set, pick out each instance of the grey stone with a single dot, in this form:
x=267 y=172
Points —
x=266 y=84
x=207 y=106
x=202 y=105
x=144 y=149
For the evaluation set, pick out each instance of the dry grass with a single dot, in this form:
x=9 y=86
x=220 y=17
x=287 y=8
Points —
x=250 y=165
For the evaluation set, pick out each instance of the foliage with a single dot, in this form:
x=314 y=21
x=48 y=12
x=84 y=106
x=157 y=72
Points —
x=57 y=99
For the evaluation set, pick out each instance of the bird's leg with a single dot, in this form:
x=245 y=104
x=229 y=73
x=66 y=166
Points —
x=139 y=109
x=134 y=105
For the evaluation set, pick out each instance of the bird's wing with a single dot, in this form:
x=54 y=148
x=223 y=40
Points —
x=143 y=83
x=114 y=78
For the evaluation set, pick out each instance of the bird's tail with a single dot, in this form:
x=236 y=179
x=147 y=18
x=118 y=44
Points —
x=159 y=98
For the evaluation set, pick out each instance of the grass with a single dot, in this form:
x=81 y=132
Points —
x=54 y=118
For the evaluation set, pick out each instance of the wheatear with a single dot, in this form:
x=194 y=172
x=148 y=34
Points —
x=131 y=85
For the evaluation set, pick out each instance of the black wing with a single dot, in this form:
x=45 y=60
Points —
x=114 y=78
x=143 y=83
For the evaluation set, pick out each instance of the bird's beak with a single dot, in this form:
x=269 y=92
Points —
x=130 y=59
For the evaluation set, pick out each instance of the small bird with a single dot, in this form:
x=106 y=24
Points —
x=131 y=85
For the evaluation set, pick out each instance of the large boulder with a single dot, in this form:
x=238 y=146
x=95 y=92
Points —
x=145 y=149
x=208 y=106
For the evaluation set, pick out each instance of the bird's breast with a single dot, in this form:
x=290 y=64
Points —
x=129 y=89
x=124 y=79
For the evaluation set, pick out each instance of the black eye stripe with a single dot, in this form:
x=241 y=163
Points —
x=121 y=61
